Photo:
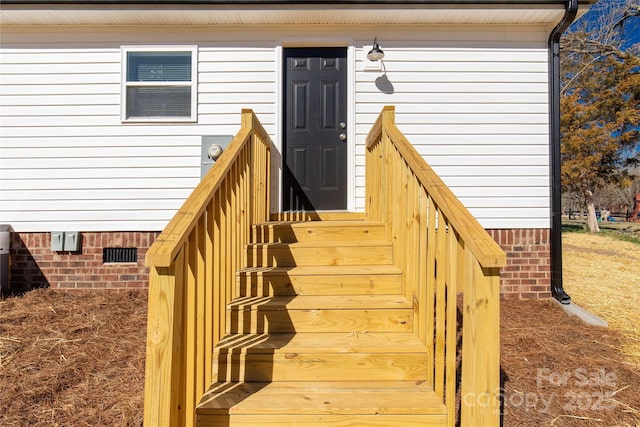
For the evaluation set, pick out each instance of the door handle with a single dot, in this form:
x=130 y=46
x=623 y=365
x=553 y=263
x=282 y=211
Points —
x=343 y=137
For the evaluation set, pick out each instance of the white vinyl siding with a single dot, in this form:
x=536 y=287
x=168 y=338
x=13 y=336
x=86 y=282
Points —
x=67 y=162
x=478 y=114
x=474 y=104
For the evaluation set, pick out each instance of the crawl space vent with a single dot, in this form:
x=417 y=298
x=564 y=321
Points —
x=112 y=255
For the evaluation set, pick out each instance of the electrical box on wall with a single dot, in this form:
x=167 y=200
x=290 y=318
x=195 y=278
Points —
x=71 y=241
x=211 y=148
x=65 y=241
x=57 y=240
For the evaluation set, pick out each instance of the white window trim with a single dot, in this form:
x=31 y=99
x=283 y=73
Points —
x=124 y=84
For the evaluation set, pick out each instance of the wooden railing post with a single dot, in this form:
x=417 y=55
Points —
x=387 y=191
x=162 y=401
x=480 y=404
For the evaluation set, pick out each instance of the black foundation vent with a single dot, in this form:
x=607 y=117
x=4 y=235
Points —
x=113 y=255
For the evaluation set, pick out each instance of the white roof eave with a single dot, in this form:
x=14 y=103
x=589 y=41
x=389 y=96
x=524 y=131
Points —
x=335 y=14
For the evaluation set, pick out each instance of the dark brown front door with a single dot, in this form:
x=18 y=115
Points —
x=315 y=123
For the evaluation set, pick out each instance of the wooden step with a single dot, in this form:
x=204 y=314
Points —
x=320 y=366
x=355 y=403
x=349 y=313
x=320 y=280
x=330 y=253
x=315 y=231
x=337 y=420
x=321 y=357
x=329 y=342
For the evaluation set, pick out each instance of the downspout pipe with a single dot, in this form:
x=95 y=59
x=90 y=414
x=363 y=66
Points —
x=557 y=289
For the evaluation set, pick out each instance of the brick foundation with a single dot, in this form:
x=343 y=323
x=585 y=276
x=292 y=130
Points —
x=527 y=274
x=528 y=271
x=35 y=265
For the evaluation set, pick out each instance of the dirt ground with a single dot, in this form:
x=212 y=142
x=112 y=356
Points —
x=77 y=359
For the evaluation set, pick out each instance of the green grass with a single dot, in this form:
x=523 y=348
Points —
x=625 y=237
x=623 y=231
x=574 y=227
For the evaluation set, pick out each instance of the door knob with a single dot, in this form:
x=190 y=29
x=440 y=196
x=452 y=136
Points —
x=343 y=137
x=343 y=125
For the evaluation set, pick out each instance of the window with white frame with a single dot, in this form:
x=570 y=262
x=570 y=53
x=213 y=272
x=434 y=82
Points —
x=159 y=84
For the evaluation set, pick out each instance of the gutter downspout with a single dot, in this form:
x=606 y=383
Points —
x=557 y=290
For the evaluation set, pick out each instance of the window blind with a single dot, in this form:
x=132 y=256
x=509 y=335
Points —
x=159 y=67
x=158 y=101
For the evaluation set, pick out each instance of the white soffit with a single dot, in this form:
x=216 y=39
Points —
x=278 y=15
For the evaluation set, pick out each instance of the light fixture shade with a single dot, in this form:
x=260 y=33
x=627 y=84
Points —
x=375 y=54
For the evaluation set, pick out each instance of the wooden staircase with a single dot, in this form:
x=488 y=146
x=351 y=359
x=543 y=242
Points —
x=320 y=333
x=328 y=321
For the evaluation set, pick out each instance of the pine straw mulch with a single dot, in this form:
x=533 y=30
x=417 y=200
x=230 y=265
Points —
x=74 y=359
x=558 y=371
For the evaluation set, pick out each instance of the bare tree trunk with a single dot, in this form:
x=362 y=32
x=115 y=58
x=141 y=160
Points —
x=592 y=221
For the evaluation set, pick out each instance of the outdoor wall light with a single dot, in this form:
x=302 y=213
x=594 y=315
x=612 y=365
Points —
x=375 y=54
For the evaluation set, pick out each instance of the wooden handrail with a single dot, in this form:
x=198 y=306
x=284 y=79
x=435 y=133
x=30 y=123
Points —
x=168 y=243
x=484 y=248
x=192 y=275
x=442 y=251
